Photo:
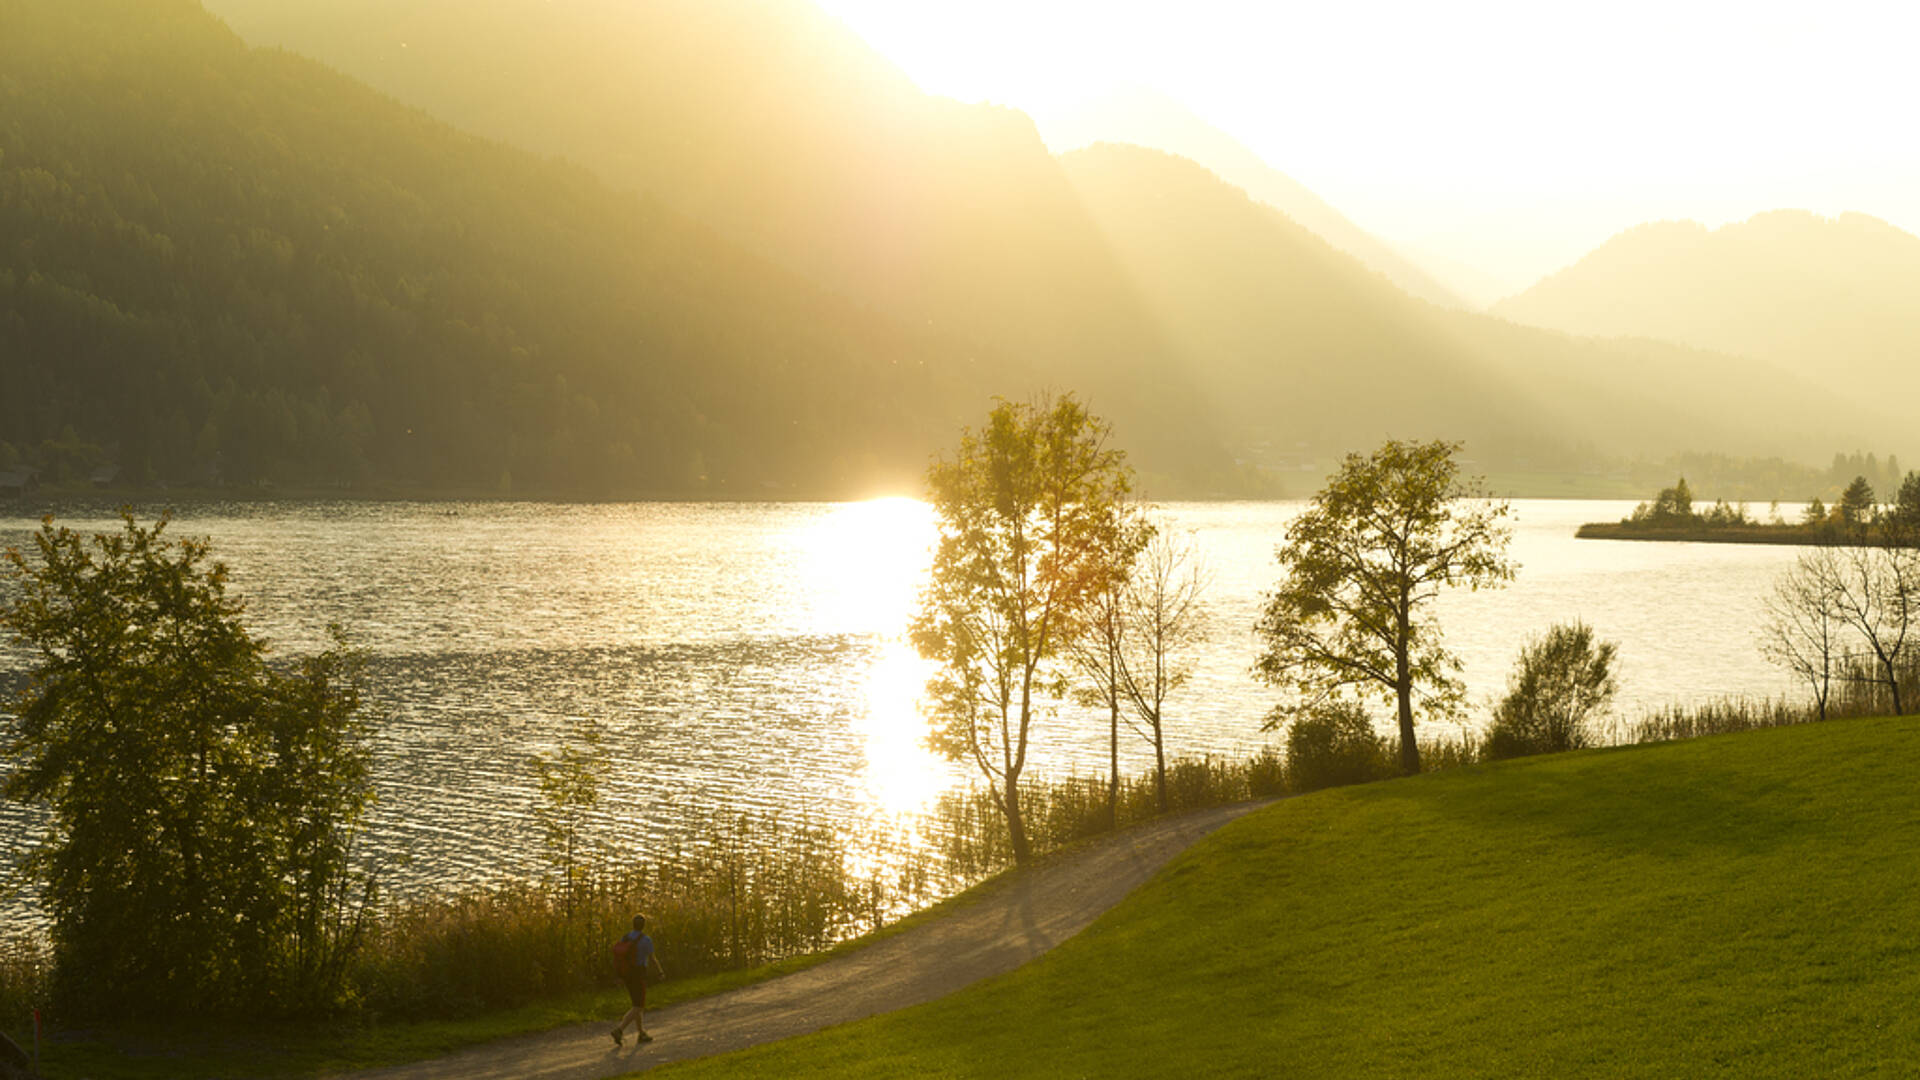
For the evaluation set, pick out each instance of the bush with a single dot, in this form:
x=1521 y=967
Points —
x=1332 y=744
x=1560 y=682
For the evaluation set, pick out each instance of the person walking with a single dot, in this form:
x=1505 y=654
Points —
x=633 y=959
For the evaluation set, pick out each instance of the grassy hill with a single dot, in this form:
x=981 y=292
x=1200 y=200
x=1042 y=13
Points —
x=1735 y=906
x=1828 y=298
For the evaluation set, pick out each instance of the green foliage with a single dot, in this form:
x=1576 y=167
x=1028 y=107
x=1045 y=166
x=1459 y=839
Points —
x=203 y=803
x=1561 y=682
x=1856 y=503
x=1031 y=530
x=1906 y=505
x=1362 y=565
x=1671 y=508
x=1815 y=513
x=1334 y=744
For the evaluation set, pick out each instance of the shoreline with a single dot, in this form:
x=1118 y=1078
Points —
x=1784 y=535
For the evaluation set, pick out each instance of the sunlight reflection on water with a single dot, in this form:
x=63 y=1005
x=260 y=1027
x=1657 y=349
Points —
x=751 y=656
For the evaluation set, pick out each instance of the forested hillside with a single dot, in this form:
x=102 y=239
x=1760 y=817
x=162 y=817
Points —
x=794 y=273
x=1829 y=298
x=217 y=261
x=775 y=124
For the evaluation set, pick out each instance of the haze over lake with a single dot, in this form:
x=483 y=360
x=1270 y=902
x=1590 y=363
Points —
x=749 y=656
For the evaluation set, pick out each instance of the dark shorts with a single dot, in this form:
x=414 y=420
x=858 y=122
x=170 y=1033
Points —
x=636 y=989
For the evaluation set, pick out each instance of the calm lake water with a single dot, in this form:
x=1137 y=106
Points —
x=749 y=656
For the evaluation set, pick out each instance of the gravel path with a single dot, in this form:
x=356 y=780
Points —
x=1035 y=911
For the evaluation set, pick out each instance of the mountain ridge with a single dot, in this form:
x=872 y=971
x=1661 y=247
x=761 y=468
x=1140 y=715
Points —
x=1826 y=298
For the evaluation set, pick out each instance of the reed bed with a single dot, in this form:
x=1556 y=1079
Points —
x=1857 y=691
x=26 y=979
x=747 y=890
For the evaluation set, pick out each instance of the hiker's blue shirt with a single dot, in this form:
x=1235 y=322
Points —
x=641 y=952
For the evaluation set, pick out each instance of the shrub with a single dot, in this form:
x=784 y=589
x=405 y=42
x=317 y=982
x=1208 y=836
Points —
x=1334 y=743
x=1560 y=682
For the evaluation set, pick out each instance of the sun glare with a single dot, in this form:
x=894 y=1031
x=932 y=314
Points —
x=867 y=561
x=901 y=775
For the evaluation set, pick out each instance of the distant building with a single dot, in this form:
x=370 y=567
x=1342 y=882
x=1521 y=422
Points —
x=18 y=481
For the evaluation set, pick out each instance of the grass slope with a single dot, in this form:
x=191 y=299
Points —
x=1741 y=905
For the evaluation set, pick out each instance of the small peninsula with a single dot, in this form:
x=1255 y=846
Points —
x=1855 y=517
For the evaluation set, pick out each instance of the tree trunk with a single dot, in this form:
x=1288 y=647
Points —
x=1159 y=767
x=1113 y=747
x=1403 y=691
x=1016 y=825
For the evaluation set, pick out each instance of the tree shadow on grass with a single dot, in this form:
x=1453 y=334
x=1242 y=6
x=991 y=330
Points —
x=1659 y=805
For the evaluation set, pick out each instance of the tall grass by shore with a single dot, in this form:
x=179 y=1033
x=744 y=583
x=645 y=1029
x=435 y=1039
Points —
x=741 y=892
x=747 y=889
x=1856 y=692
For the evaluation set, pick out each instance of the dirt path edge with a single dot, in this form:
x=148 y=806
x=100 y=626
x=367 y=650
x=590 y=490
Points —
x=1029 y=914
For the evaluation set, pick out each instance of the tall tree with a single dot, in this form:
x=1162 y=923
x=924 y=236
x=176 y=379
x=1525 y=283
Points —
x=1029 y=511
x=1362 y=565
x=1164 y=625
x=1100 y=652
x=1856 y=503
x=1905 y=516
x=202 y=803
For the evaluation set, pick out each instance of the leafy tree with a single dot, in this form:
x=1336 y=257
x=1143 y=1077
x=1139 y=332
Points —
x=1362 y=566
x=203 y=803
x=1816 y=512
x=1856 y=503
x=1561 y=681
x=1674 y=505
x=1029 y=511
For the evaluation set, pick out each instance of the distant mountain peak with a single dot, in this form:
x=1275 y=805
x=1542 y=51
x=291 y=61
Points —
x=1830 y=298
x=1143 y=116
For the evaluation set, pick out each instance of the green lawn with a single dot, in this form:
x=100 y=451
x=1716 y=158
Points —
x=1743 y=906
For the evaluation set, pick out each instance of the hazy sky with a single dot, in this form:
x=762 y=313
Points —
x=1510 y=136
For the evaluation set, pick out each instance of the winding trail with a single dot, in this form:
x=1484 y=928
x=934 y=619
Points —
x=1038 y=909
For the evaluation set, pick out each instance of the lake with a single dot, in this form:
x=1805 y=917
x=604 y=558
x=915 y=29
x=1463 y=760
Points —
x=749 y=656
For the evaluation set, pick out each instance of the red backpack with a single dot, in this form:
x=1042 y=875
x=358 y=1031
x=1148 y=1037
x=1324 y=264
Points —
x=622 y=955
